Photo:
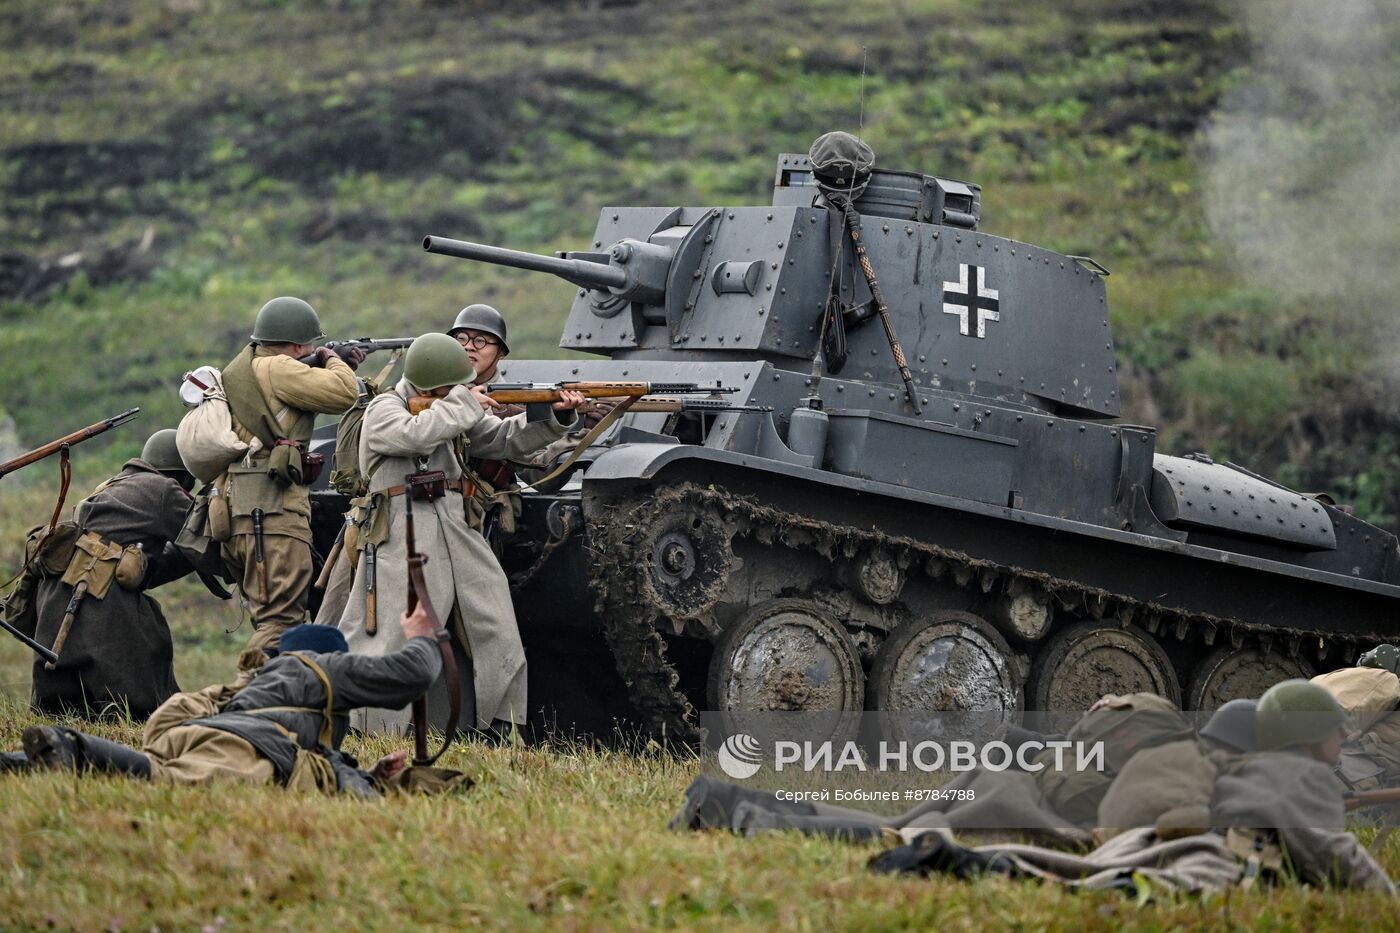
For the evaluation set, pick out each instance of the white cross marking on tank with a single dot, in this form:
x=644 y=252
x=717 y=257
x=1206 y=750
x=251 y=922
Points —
x=957 y=300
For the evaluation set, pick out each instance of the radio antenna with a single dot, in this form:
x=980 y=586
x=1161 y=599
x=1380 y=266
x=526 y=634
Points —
x=864 y=55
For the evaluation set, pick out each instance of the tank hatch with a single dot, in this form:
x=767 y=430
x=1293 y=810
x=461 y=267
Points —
x=1188 y=492
x=900 y=195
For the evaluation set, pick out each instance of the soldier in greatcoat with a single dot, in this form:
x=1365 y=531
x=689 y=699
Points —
x=117 y=651
x=432 y=422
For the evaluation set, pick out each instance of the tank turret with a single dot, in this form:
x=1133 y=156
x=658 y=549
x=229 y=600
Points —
x=976 y=314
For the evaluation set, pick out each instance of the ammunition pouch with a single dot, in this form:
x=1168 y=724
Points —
x=100 y=562
x=368 y=524
x=196 y=537
x=284 y=463
x=311 y=467
x=427 y=485
x=1260 y=852
x=481 y=498
x=255 y=488
x=1359 y=771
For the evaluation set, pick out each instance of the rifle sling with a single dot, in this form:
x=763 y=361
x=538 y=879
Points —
x=594 y=433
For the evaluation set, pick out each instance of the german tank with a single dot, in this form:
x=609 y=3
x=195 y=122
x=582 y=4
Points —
x=942 y=510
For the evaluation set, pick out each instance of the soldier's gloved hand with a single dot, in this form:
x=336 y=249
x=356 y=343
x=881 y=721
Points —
x=569 y=400
x=353 y=356
x=323 y=355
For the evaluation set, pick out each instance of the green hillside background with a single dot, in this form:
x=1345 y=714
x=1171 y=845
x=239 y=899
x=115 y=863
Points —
x=166 y=167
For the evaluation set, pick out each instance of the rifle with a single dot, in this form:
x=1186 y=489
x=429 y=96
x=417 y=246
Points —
x=30 y=643
x=418 y=592
x=852 y=219
x=68 y=440
x=367 y=344
x=65 y=469
x=1357 y=799
x=526 y=393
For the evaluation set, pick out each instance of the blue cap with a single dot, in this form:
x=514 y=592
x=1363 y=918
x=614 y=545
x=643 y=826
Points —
x=318 y=639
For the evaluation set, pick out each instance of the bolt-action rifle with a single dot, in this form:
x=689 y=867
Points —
x=68 y=440
x=418 y=593
x=369 y=345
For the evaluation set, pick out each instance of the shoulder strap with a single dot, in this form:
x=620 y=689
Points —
x=320 y=673
x=246 y=400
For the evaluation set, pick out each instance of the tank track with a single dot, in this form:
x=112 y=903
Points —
x=630 y=616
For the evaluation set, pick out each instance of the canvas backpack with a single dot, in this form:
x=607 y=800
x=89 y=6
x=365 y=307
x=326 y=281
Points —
x=205 y=437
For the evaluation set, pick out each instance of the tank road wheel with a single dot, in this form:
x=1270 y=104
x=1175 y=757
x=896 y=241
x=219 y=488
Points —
x=788 y=655
x=1083 y=662
x=688 y=559
x=1230 y=673
x=949 y=661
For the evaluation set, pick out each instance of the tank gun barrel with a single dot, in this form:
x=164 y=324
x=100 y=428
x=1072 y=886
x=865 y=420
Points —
x=581 y=272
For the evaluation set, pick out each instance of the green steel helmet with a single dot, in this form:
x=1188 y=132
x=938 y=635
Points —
x=1386 y=657
x=840 y=160
x=437 y=360
x=1297 y=712
x=287 y=320
x=160 y=451
x=485 y=319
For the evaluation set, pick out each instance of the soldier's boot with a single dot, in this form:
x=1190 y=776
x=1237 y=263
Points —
x=712 y=804
x=933 y=852
x=750 y=818
x=62 y=749
x=14 y=761
x=501 y=732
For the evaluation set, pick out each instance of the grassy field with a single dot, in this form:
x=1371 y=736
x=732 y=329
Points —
x=546 y=839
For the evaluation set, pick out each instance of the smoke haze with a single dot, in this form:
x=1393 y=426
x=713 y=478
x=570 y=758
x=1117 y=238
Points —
x=1303 y=159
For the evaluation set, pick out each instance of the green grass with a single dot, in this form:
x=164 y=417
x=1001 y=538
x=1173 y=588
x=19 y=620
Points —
x=545 y=839
x=548 y=838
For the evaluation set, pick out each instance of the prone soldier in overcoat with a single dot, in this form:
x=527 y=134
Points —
x=274 y=398
x=1275 y=815
x=116 y=645
x=414 y=442
x=1370 y=693
x=282 y=723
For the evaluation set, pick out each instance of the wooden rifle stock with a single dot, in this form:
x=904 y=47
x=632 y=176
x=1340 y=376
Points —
x=1356 y=800
x=68 y=440
x=418 y=592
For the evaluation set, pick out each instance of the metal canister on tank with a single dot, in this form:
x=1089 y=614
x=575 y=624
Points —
x=807 y=430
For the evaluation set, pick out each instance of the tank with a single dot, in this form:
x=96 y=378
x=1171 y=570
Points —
x=986 y=535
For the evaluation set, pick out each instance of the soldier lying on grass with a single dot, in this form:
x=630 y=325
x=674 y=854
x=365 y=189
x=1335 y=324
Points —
x=282 y=723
